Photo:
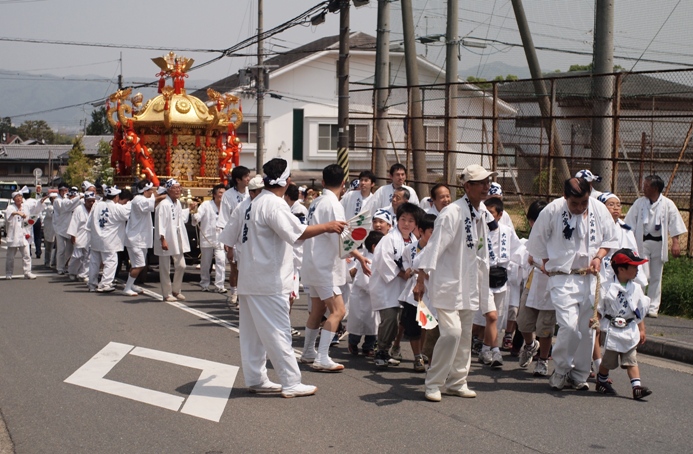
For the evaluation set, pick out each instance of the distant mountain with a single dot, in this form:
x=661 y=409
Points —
x=24 y=93
x=490 y=70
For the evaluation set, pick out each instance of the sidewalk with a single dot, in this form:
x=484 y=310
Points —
x=670 y=338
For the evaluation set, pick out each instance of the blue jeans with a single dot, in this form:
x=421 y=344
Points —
x=368 y=341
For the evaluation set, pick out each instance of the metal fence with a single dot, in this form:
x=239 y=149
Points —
x=623 y=126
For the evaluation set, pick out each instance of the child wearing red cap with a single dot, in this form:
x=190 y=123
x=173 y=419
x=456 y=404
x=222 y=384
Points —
x=622 y=309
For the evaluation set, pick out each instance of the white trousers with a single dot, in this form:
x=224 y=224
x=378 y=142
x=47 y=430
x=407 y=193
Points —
x=49 y=254
x=110 y=262
x=265 y=331
x=219 y=256
x=168 y=287
x=452 y=353
x=26 y=259
x=573 y=297
x=79 y=262
x=653 y=252
x=64 y=252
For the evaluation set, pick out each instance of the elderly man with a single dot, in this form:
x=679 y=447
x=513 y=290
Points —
x=571 y=237
x=440 y=198
x=655 y=219
x=171 y=240
x=398 y=175
x=457 y=261
x=206 y=220
x=67 y=201
x=18 y=230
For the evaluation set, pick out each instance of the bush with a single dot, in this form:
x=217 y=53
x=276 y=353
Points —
x=677 y=287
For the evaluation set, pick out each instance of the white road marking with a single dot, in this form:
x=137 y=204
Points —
x=207 y=399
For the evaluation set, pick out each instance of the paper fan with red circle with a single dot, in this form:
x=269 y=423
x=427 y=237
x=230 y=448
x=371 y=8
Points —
x=355 y=233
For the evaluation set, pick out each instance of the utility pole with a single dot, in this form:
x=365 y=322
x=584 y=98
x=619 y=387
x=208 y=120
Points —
x=120 y=76
x=540 y=89
x=416 y=126
x=450 y=142
x=382 y=81
x=603 y=92
x=343 y=78
x=260 y=94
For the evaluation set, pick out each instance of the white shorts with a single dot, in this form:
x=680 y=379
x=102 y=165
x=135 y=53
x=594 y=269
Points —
x=138 y=256
x=324 y=292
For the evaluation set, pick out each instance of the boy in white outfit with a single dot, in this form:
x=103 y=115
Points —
x=206 y=219
x=171 y=240
x=106 y=227
x=323 y=272
x=78 y=268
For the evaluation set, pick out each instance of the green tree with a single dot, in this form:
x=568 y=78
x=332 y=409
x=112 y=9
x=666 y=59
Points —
x=102 y=172
x=99 y=125
x=63 y=139
x=589 y=67
x=79 y=167
x=36 y=129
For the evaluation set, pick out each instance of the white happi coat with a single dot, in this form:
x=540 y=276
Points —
x=62 y=214
x=229 y=201
x=206 y=218
x=506 y=220
x=48 y=229
x=354 y=203
x=645 y=217
x=362 y=320
x=78 y=227
x=169 y=222
x=411 y=260
x=385 y=284
x=106 y=225
x=16 y=228
x=322 y=265
x=617 y=301
x=383 y=196
x=503 y=244
x=456 y=257
x=264 y=232
x=139 y=232
x=547 y=239
x=299 y=209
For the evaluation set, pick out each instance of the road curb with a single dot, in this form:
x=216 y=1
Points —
x=668 y=348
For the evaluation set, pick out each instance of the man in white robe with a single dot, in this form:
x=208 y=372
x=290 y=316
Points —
x=68 y=200
x=210 y=247
x=383 y=196
x=18 y=234
x=78 y=268
x=457 y=261
x=361 y=198
x=171 y=240
x=655 y=219
x=263 y=233
x=571 y=237
x=440 y=198
x=591 y=179
x=49 y=232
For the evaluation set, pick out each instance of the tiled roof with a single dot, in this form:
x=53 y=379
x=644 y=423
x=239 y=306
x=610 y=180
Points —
x=33 y=152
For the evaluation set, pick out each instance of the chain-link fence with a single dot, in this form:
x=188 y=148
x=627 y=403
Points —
x=535 y=133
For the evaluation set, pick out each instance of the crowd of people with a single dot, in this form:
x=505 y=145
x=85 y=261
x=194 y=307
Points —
x=460 y=261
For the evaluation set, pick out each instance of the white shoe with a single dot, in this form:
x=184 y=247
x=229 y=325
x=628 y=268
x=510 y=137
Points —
x=205 y=289
x=221 y=290
x=170 y=298
x=299 y=390
x=265 y=388
x=29 y=276
x=464 y=391
x=92 y=289
x=106 y=289
x=137 y=288
x=179 y=296
x=496 y=359
x=433 y=395
x=486 y=357
x=72 y=277
x=129 y=292
x=327 y=366
x=557 y=381
x=8 y=277
x=541 y=369
x=527 y=354
x=306 y=360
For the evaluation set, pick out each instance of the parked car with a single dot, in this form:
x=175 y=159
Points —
x=3 y=207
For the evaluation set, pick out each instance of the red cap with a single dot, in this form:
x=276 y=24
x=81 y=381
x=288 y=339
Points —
x=626 y=257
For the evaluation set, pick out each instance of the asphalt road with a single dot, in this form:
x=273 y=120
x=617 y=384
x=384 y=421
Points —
x=50 y=328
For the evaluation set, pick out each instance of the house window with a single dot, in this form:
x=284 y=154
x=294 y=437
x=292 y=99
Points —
x=435 y=138
x=359 y=138
x=16 y=169
x=327 y=137
x=247 y=132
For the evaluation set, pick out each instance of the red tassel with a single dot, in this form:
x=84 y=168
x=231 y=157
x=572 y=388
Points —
x=162 y=82
x=197 y=141
x=175 y=140
x=162 y=140
x=207 y=141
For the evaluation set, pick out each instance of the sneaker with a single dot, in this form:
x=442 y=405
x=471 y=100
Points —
x=306 y=360
x=205 y=289
x=353 y=349
x=72 y=277
x=579 y=386
x=299 y=390
x=476 y=345
x=129 y=292
x=557 y=381
x=464 y=391
x=496 y=360
x=92 y=288
x=396 y=352
x=486 y=357
x=425 y=358
x=393 y=362
x=327 y=366
x=221 y=290
x=604 y=387
x=507 y=343
x=179 y=296
x=369 y=353
x=652 y=314
x=641 y=391
x=8 y=277
x=419 y=365
x=232 y=301
x=433 y=395
x=381 y=359
x=335 y=340
x=295 y=332
x=527 y=354
x=541 y=368
x=61 y=273
x=106 y=289
x=265 y=388
x=29 y=276
x=170 y=299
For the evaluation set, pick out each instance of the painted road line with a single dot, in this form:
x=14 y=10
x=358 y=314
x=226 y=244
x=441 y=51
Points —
x=207 y=400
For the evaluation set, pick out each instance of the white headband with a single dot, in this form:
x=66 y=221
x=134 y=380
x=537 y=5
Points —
x=281 y=181
x=146 y=188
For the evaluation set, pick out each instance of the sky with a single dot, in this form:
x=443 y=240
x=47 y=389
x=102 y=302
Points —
x=644 y=29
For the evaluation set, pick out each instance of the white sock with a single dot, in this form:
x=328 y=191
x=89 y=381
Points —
x=309 y=343
x=130 y=283
x=495 y=349
x=324 y=346
x=234 y=290
x=485 y=348
x=597 y=362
